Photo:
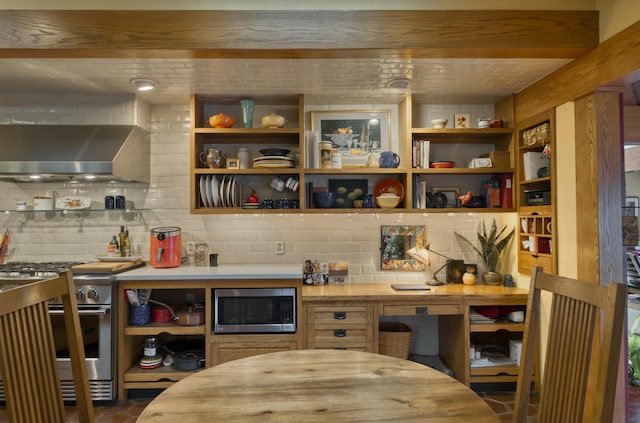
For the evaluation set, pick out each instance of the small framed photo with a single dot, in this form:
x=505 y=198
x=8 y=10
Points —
x=452 y=194
x=233 y=163
x=461 y=121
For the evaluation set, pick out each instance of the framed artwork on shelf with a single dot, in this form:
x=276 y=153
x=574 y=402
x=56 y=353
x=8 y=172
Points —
x=353 y=133
x=461 y=121
x=451 y=193
x=396 y=241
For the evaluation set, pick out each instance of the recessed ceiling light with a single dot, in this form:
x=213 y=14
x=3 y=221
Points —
x=399 y=83
x=89 y=177
x=34 y=177
x=143 y=84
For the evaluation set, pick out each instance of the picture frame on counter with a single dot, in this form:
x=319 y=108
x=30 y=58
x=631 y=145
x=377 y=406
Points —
x=353 y=133
x=396 y=241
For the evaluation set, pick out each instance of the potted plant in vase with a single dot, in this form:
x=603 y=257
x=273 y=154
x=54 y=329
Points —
x=491 y=247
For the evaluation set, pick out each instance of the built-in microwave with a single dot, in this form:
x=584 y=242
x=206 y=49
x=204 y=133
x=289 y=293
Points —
x=254 y=310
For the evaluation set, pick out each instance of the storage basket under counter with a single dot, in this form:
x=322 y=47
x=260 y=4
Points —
x=395 y=339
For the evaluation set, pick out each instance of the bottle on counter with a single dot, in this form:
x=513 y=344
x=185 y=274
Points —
x=112 y=248
x=127 y=244
x=121 y=241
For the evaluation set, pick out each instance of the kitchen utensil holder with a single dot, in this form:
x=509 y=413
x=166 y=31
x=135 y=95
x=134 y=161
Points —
x=140 y=314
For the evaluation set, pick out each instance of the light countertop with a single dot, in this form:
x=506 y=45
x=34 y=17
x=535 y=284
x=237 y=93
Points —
x=225 y=271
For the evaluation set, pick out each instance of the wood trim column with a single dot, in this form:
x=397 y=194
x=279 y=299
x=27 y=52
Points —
x=599 y=173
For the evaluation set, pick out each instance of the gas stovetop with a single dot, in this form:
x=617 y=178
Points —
x=20 y=269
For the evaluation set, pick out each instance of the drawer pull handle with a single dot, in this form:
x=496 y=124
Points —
x=422 y=310
x=340 y=348
x=339 y=315
x=340 y=333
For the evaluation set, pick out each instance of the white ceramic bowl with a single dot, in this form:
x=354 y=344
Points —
x=439 y=123
x=388 y=201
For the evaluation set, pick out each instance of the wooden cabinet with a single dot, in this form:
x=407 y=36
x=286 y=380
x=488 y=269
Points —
x=130 y=338
x=217 y=348
x=226 y=348
x=340 y=326
x=223 y=190
x=536 y=194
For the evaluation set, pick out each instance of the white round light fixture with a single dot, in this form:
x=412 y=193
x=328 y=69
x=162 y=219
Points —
x=143 y=84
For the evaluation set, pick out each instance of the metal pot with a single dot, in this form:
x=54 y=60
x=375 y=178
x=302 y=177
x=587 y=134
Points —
x=190 y=316
x=188 y=360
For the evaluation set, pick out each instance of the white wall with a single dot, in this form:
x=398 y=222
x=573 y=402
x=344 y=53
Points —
x=237 y=238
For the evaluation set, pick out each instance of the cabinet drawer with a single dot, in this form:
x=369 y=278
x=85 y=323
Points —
x=421 y=309
x=340 y=338
x=527 y=261
x=338 y=315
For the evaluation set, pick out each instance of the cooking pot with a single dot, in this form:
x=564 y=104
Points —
x=188 y=360
x=166 y=247
x=190 y=316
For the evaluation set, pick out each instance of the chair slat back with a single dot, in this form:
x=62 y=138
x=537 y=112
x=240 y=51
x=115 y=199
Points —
x=583 y=346
x=28 y=357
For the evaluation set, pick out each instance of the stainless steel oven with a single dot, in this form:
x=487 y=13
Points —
x=93 y=295
x=254 y=310
x=97 y=314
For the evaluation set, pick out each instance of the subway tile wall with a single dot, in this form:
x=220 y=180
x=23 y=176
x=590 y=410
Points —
x=237 y=238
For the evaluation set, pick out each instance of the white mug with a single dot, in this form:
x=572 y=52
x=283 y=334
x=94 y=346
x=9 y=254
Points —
x=277 y=184
x=292 y=184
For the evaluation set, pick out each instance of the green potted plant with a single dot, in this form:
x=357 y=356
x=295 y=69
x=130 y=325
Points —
x=491 y=247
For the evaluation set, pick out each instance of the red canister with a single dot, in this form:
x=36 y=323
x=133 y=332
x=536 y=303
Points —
x=160 y=315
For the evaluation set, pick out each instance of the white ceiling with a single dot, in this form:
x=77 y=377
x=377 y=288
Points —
x=323 y=81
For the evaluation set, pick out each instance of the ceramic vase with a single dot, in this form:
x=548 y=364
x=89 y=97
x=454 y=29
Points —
x=492 y=278
x=247 y=112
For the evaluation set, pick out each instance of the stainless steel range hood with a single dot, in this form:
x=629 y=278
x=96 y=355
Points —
x=115 y=152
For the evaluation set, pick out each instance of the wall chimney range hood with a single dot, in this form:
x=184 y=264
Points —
x=67 y=152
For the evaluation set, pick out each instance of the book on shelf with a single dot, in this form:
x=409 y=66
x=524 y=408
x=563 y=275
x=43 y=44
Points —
x=420 y=156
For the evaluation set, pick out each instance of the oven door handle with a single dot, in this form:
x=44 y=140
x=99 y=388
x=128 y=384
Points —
x=102 y=311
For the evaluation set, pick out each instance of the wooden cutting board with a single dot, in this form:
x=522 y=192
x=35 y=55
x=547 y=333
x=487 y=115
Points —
x=107 y=267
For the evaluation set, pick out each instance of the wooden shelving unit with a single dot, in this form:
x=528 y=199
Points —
x=536 y=218
x=460 y=145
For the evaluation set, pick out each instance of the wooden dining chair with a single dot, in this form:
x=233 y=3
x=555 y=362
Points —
x=582 y=352
x=28 y=356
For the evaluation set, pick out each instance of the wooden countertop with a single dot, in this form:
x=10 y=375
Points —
x=318 y=386
x=384 y=292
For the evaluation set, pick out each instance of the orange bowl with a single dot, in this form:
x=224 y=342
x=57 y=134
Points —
x=221 y=121
x=389 y=186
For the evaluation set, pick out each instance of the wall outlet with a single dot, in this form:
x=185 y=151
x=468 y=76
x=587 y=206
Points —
x=191 y=245
x=279 y=247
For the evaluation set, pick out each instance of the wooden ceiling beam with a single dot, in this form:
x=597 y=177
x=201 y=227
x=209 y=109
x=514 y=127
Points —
x=297 y=34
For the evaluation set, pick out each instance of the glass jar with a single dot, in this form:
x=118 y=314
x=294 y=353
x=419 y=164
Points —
x=150 y=347
x=243 y=156
x=201 y=254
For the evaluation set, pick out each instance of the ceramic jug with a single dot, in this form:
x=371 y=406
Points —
x=211 y=158
x=389 y=159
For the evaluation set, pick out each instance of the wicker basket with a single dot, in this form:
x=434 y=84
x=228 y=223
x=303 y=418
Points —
x=395 y=339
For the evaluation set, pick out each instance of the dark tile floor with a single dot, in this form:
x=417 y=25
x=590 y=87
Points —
x=500 y=402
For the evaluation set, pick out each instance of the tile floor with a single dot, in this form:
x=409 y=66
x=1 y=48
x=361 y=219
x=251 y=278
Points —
x=501 y=403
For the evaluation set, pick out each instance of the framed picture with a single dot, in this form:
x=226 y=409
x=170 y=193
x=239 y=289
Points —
x=233 y=163
x=461 y=121
x=452 y=194
x=396 y=240
x=354 y=133
x=631 y=206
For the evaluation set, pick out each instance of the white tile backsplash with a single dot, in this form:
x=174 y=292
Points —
x=246 y=238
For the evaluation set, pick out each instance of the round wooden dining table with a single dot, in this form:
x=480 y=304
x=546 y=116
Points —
x=312 y=386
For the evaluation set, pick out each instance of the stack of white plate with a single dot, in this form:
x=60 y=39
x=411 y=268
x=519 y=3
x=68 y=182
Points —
x=219 y=193
x=273 y=161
